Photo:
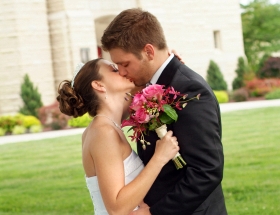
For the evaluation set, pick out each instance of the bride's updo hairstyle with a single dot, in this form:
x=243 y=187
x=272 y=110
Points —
x=77 y=100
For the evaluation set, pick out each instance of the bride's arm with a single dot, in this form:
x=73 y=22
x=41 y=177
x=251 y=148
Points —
x=121 y=199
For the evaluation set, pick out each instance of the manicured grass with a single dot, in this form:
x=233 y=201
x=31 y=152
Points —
x=43 y=178
x=46 y=177
x=252 y=161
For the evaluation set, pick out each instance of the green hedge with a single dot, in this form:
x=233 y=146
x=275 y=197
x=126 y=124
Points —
x=273 y=95
x=35 y=129
x=2 y=132
x=29 y=120
x=80 y=122
x=19 y=129
x=7 y=122
x=15 y=124
x=221 y=96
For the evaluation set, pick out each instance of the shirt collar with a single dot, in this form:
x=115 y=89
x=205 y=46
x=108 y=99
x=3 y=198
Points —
x=160 y=70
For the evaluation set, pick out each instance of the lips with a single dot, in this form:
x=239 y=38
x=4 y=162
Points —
x=129 y=79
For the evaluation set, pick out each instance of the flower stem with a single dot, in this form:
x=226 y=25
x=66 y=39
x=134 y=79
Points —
x=179 y=162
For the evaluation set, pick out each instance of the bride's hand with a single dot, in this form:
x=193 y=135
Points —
x=176 y=55
x=166 y=148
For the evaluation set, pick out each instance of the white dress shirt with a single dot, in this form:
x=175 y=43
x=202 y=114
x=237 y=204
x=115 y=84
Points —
x=159 y=71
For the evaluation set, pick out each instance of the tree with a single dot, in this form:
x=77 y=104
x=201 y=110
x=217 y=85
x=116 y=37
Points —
x=261 y=30
x=238 y=82
x=215 y=78
x=262 y=61
x=31 y=98
x=271 y=68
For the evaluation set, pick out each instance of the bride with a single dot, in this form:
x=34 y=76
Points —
x=115 y=176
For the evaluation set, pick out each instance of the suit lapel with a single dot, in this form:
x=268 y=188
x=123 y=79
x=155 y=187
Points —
x=168 y=73
x=164 y=79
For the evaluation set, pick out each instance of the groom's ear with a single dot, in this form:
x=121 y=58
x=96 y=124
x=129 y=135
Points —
x=149 y=51
x=98 y=86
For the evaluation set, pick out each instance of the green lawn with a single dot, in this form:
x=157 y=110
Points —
x=46 y=177
x=252 y=161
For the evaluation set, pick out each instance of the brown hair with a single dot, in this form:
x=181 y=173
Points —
x=81 y=98
x=131 y=30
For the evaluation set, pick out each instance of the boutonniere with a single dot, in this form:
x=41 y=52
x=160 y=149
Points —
x=151 y=109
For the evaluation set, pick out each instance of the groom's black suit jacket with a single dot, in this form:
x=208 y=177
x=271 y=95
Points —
x=195 y=189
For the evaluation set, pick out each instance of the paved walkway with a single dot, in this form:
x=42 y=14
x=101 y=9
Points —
x=227 y=107
x=249 y=105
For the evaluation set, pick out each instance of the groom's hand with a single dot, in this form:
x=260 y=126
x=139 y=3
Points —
x=143 y=209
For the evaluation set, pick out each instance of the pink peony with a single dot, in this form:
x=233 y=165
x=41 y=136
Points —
x=138 y=101
x=154 y=91
x=141 y=116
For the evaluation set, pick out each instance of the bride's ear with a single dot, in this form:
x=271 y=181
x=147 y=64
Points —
x=98 y=86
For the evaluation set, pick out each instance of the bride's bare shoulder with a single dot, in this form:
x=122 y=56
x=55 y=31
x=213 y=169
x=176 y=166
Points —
x=101 y=134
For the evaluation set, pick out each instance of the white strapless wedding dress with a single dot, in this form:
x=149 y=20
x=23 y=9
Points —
x=133 y=165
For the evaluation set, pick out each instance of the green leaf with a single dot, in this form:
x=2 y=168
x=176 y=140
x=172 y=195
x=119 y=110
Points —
x=153 y=125
x=170 y=112
x=164 y=118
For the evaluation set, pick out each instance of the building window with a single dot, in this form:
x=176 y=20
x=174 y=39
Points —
x=84 y=54
x=217 y=40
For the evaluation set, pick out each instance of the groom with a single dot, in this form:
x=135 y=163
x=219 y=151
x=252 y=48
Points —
x=136 y=43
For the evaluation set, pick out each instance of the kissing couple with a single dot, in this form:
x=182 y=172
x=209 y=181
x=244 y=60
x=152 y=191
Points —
x=120 y=181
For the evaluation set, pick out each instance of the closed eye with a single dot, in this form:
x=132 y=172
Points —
x=115 y=68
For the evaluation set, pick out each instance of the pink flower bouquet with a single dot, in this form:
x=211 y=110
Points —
x=153 y=108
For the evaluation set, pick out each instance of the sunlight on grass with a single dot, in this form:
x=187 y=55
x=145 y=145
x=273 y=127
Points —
x=46 y=177
x=251 y=147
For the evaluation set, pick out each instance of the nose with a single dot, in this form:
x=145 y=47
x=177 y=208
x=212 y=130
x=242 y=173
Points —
x=122 y=71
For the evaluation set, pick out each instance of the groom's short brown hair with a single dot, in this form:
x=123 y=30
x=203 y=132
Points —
x=131 y=30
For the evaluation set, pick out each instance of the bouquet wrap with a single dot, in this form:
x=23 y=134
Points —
x=177 y=160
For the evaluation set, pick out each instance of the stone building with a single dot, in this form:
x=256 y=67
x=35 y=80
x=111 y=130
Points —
x=47 y=38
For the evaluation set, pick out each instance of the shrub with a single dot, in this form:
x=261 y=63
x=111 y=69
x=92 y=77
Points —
x=30 y=97
x=273 y=94
x=35 y=129
x=19 y=129
x=2 y=132
x=50 y=116
x=82 y=121
x=221 y=96
x=270 y=69
x=238 y=82
x=249 y=75
x=262 y=61
x=215 y=78
x=240 y=95
x=29 y=121
x=260 y=87
x=9 y=122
